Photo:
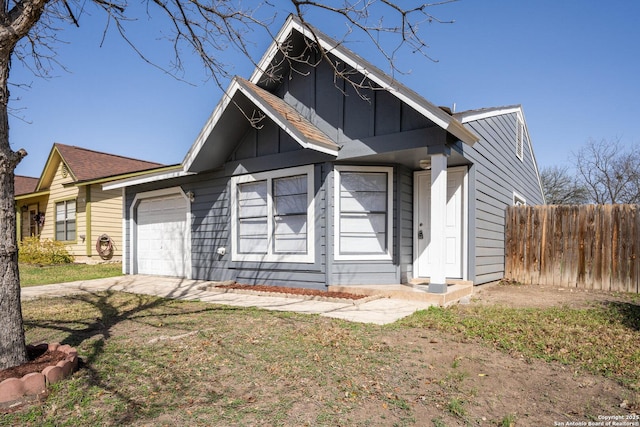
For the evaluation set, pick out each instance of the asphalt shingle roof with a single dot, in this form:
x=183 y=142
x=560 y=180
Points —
x=290 y=115
x=86 y=165
x=24 y=184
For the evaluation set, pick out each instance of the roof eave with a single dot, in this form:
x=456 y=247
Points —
x=31 y=195
x=174 y=172
x=206 y=130
x=125 y=175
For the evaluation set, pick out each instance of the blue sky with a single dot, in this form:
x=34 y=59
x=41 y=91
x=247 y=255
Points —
x=574 y=65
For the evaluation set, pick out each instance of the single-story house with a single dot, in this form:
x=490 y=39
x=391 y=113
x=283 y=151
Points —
x=67 y=202
x=300 y=179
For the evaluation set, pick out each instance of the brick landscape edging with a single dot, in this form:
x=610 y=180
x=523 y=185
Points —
x=14 y=391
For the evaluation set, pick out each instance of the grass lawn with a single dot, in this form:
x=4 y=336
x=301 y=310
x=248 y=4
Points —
x=154 y=361
x=32 y=275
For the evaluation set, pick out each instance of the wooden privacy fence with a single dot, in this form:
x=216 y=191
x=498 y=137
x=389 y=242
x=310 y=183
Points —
x=588 y=246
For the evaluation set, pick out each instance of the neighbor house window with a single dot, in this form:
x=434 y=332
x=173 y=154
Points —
x=272 y=216
x=520 y=138
x=363 y=212
x=66 y=220
x=518 y=200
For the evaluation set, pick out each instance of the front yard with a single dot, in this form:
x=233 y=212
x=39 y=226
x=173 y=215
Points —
x=152 y=361
x=33 y=275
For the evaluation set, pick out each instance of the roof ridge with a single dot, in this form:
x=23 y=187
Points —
x=58 y=144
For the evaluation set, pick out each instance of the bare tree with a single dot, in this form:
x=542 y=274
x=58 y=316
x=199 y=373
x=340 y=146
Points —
x=609 y=172
x=561 y=188
x=207 y=28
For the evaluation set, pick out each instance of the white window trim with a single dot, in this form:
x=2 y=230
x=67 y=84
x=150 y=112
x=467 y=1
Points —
x=336 y=213
x=520 y=137
x=518 y=200
x=309 y=257
x=55 y=220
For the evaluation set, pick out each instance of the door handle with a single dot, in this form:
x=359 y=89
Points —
x=420 y=234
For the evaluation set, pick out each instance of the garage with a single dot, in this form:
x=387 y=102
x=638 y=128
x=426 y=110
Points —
x=162 y=236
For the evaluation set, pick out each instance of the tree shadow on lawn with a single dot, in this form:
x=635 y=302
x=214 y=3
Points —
x=99 y=331
x=629 y=313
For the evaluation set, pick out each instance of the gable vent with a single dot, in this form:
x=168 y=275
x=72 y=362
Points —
x=65 y=171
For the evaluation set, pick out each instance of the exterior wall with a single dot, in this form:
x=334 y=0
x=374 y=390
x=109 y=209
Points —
x=37 y=203
x=106 y=218
x=348 y=119
x=105 y=208
x=344 y=114
x=496 y=174
x=57 y=194
x=210 y=227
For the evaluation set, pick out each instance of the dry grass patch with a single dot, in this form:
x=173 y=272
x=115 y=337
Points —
x=153 y=361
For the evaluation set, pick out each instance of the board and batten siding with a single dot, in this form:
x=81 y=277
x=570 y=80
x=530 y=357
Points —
x=498 y=173
x=344 y=114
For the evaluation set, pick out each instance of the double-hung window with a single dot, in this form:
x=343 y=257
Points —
x=272 y=216
x=66 y=220
x=363 y=202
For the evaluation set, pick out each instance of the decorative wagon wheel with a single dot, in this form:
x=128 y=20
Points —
x=105 y=247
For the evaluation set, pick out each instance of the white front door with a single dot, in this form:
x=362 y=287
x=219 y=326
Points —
x=454 y=224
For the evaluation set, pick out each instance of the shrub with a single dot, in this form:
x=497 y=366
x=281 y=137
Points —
x=35 y=251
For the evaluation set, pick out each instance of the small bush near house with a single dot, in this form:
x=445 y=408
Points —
x=46 y=252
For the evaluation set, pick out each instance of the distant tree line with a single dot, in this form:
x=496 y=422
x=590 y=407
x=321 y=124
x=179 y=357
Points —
x=605 y=172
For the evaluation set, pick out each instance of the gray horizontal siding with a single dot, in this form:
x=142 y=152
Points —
x=498 y=174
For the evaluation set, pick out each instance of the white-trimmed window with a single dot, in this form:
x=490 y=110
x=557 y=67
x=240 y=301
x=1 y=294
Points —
x=272 y=216
x=66 y=220
x=363 y=199
x=520 y=138
x=518 y=200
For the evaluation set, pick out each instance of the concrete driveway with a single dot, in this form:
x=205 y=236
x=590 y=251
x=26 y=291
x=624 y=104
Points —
x=379 y=311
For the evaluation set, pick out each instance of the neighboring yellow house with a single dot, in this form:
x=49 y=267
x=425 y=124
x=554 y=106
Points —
x=67 y=202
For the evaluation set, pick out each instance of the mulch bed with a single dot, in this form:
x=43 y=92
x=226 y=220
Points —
x=39 y=358
x=293 y=291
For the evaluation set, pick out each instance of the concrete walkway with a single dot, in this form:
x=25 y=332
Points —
x=379 y=311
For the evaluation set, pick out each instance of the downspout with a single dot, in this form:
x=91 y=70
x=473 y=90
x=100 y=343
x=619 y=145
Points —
x=88 y=219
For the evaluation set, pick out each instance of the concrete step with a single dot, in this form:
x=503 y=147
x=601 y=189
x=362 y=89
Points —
x=412 y=292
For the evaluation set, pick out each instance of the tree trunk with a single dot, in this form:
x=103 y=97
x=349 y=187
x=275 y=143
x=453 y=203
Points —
x=12 y=341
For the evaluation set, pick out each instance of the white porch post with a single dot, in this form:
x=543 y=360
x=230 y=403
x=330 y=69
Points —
x=438 y=245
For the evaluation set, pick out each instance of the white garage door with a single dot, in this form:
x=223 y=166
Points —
x=162 y=237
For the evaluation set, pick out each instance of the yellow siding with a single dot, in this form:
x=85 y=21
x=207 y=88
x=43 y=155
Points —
x=58 y=193
x=105 y=208
x=106 y=217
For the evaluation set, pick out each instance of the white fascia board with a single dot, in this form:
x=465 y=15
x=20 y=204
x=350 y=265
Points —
x=213 y=119
x=144 y=179
x=272 y=50
x=533 y=156
x=493 y=112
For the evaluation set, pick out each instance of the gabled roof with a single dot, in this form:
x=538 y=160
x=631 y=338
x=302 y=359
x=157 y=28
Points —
x=288 y=118
x=24 y=184
x=483 y=113
x=216 y=133
x=89 y=165
x=402 y=92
